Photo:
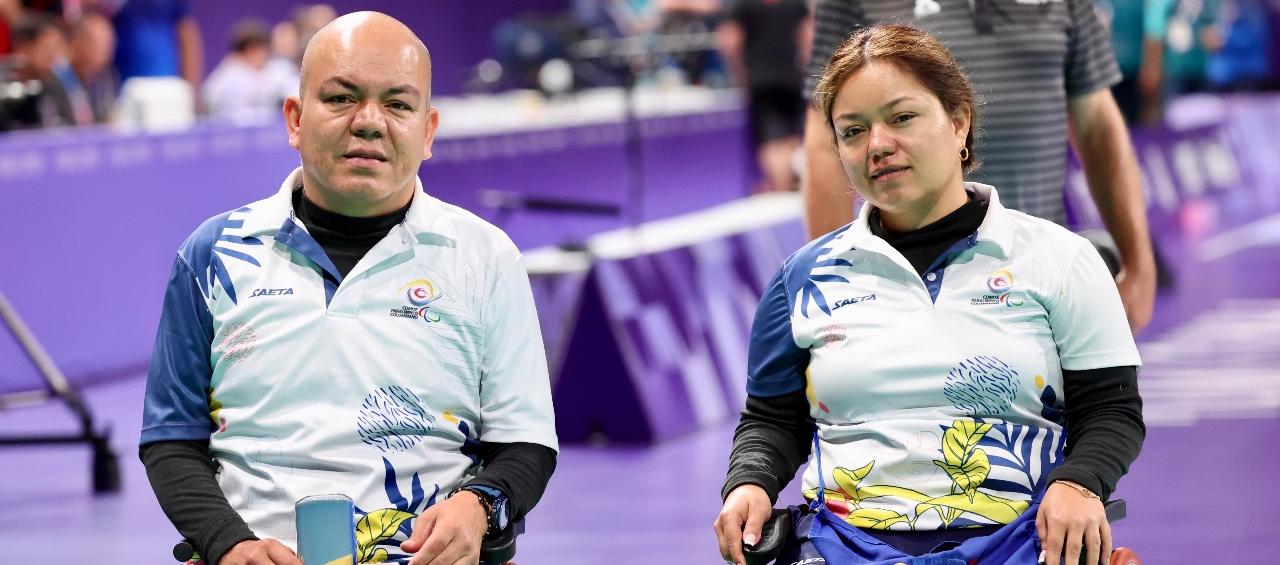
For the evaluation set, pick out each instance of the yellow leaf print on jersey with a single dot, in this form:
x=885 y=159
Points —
x=374 y=527
x=215 y=408
x=993 y=508
x=846 y=500
x=964 y=462
x=968 y=467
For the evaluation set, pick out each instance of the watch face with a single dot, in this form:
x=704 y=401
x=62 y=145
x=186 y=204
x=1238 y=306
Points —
x=496 y=504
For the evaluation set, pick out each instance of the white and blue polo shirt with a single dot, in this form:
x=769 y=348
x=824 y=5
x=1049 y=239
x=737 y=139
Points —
x=378 y=385
x=938 y=399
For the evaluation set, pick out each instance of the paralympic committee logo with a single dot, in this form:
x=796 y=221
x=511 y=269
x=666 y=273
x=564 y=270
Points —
x=421 y=294
x=1000 y=283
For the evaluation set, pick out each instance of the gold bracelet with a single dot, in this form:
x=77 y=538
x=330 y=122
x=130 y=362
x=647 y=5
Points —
x=1082 y=490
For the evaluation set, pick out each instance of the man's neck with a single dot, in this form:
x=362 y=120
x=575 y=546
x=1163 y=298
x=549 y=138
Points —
x=358 y=208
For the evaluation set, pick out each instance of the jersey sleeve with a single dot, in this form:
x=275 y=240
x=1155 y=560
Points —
x=775 y=364
x=176 y=402
x=833 y=21
x=1091 y=60
x=515 y=389
x=1088 y=319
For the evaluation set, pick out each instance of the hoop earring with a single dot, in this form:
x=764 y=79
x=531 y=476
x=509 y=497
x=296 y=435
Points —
x=964 y=154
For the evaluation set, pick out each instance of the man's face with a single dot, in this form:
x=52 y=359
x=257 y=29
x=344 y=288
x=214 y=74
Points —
x=42 y=54
x=94 y=45
x=363 y=123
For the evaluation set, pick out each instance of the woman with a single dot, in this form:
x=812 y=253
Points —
x=936 y=350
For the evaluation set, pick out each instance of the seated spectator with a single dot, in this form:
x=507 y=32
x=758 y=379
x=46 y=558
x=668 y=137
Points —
x=93 y=41
x=248 y=84
x=40 y=47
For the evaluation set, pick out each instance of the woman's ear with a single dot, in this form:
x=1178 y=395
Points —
x=962 y=119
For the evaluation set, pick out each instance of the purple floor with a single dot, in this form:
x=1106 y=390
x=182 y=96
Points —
x=1199 y=493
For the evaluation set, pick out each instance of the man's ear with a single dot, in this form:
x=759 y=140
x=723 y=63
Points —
x=433 y=122
x=293 y=120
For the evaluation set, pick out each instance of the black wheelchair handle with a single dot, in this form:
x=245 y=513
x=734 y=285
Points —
x=772 y=537
x=1116 y=510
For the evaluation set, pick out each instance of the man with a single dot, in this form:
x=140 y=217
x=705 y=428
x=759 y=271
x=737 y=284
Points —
x=41 y=49
x=1043 y=68
x=92 y=43
x=352 y=335
x=158 y=38
x=248 y=85
x=762 y=39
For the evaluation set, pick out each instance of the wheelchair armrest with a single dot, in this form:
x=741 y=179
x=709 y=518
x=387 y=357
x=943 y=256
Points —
x=772 y=537
x=183 y=551
x=501 y=547
x=1116 y=510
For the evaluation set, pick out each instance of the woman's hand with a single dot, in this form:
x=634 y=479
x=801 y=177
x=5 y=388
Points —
x=1071 y=520
x=743 y=515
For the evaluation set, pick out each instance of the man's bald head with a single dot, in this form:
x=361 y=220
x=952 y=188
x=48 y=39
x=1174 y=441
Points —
x=335 y=43
x=362 y=120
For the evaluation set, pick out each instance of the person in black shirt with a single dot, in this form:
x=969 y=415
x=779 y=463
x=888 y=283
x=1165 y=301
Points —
x=765 y=42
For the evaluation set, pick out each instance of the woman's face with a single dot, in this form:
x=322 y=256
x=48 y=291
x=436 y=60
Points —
x=899 y=146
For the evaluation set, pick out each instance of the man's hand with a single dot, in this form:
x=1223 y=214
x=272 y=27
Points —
x=1067 y=520
x=1102 y=141
x=260 y=552
x=449 y=533
x=1137 y=284
x=743 y=515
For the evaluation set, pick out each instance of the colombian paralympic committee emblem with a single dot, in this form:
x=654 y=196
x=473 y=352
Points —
x=421 y=294
x=1000 y=283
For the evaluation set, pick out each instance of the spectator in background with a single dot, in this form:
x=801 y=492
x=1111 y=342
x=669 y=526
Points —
x=1242 y=62
x=1138 y=53
x=763 y=42
x=284 y=41
x=161 y=62
x=93 y=41
x=249 y=85
x=158 y=38
x=10 y=13
x=308 y=20
x=1190 y=34
x=40 y=48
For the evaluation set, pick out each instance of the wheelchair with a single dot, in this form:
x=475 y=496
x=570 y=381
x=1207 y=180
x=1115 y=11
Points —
x=497 y=549
x=774 y=534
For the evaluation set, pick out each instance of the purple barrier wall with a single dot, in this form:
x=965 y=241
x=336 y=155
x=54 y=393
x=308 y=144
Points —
x=659 y=344
x=1226 y=156
x=92 y=221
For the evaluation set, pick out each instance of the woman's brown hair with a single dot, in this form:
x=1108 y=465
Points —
x=914 y=52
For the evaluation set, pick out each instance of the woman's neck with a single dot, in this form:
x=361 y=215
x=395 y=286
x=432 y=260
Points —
x=924 y=212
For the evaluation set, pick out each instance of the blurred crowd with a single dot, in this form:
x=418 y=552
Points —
x=74 y=63
x=78 y=62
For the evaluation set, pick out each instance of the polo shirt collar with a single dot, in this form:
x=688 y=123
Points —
x=426 y=218
x=995 y=230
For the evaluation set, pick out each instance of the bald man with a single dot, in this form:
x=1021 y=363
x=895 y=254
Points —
x=350 y=334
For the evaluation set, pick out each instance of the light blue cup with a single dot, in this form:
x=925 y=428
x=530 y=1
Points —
x=326 y=530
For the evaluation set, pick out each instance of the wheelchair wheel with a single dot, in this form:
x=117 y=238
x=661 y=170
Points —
x=1124 y=556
